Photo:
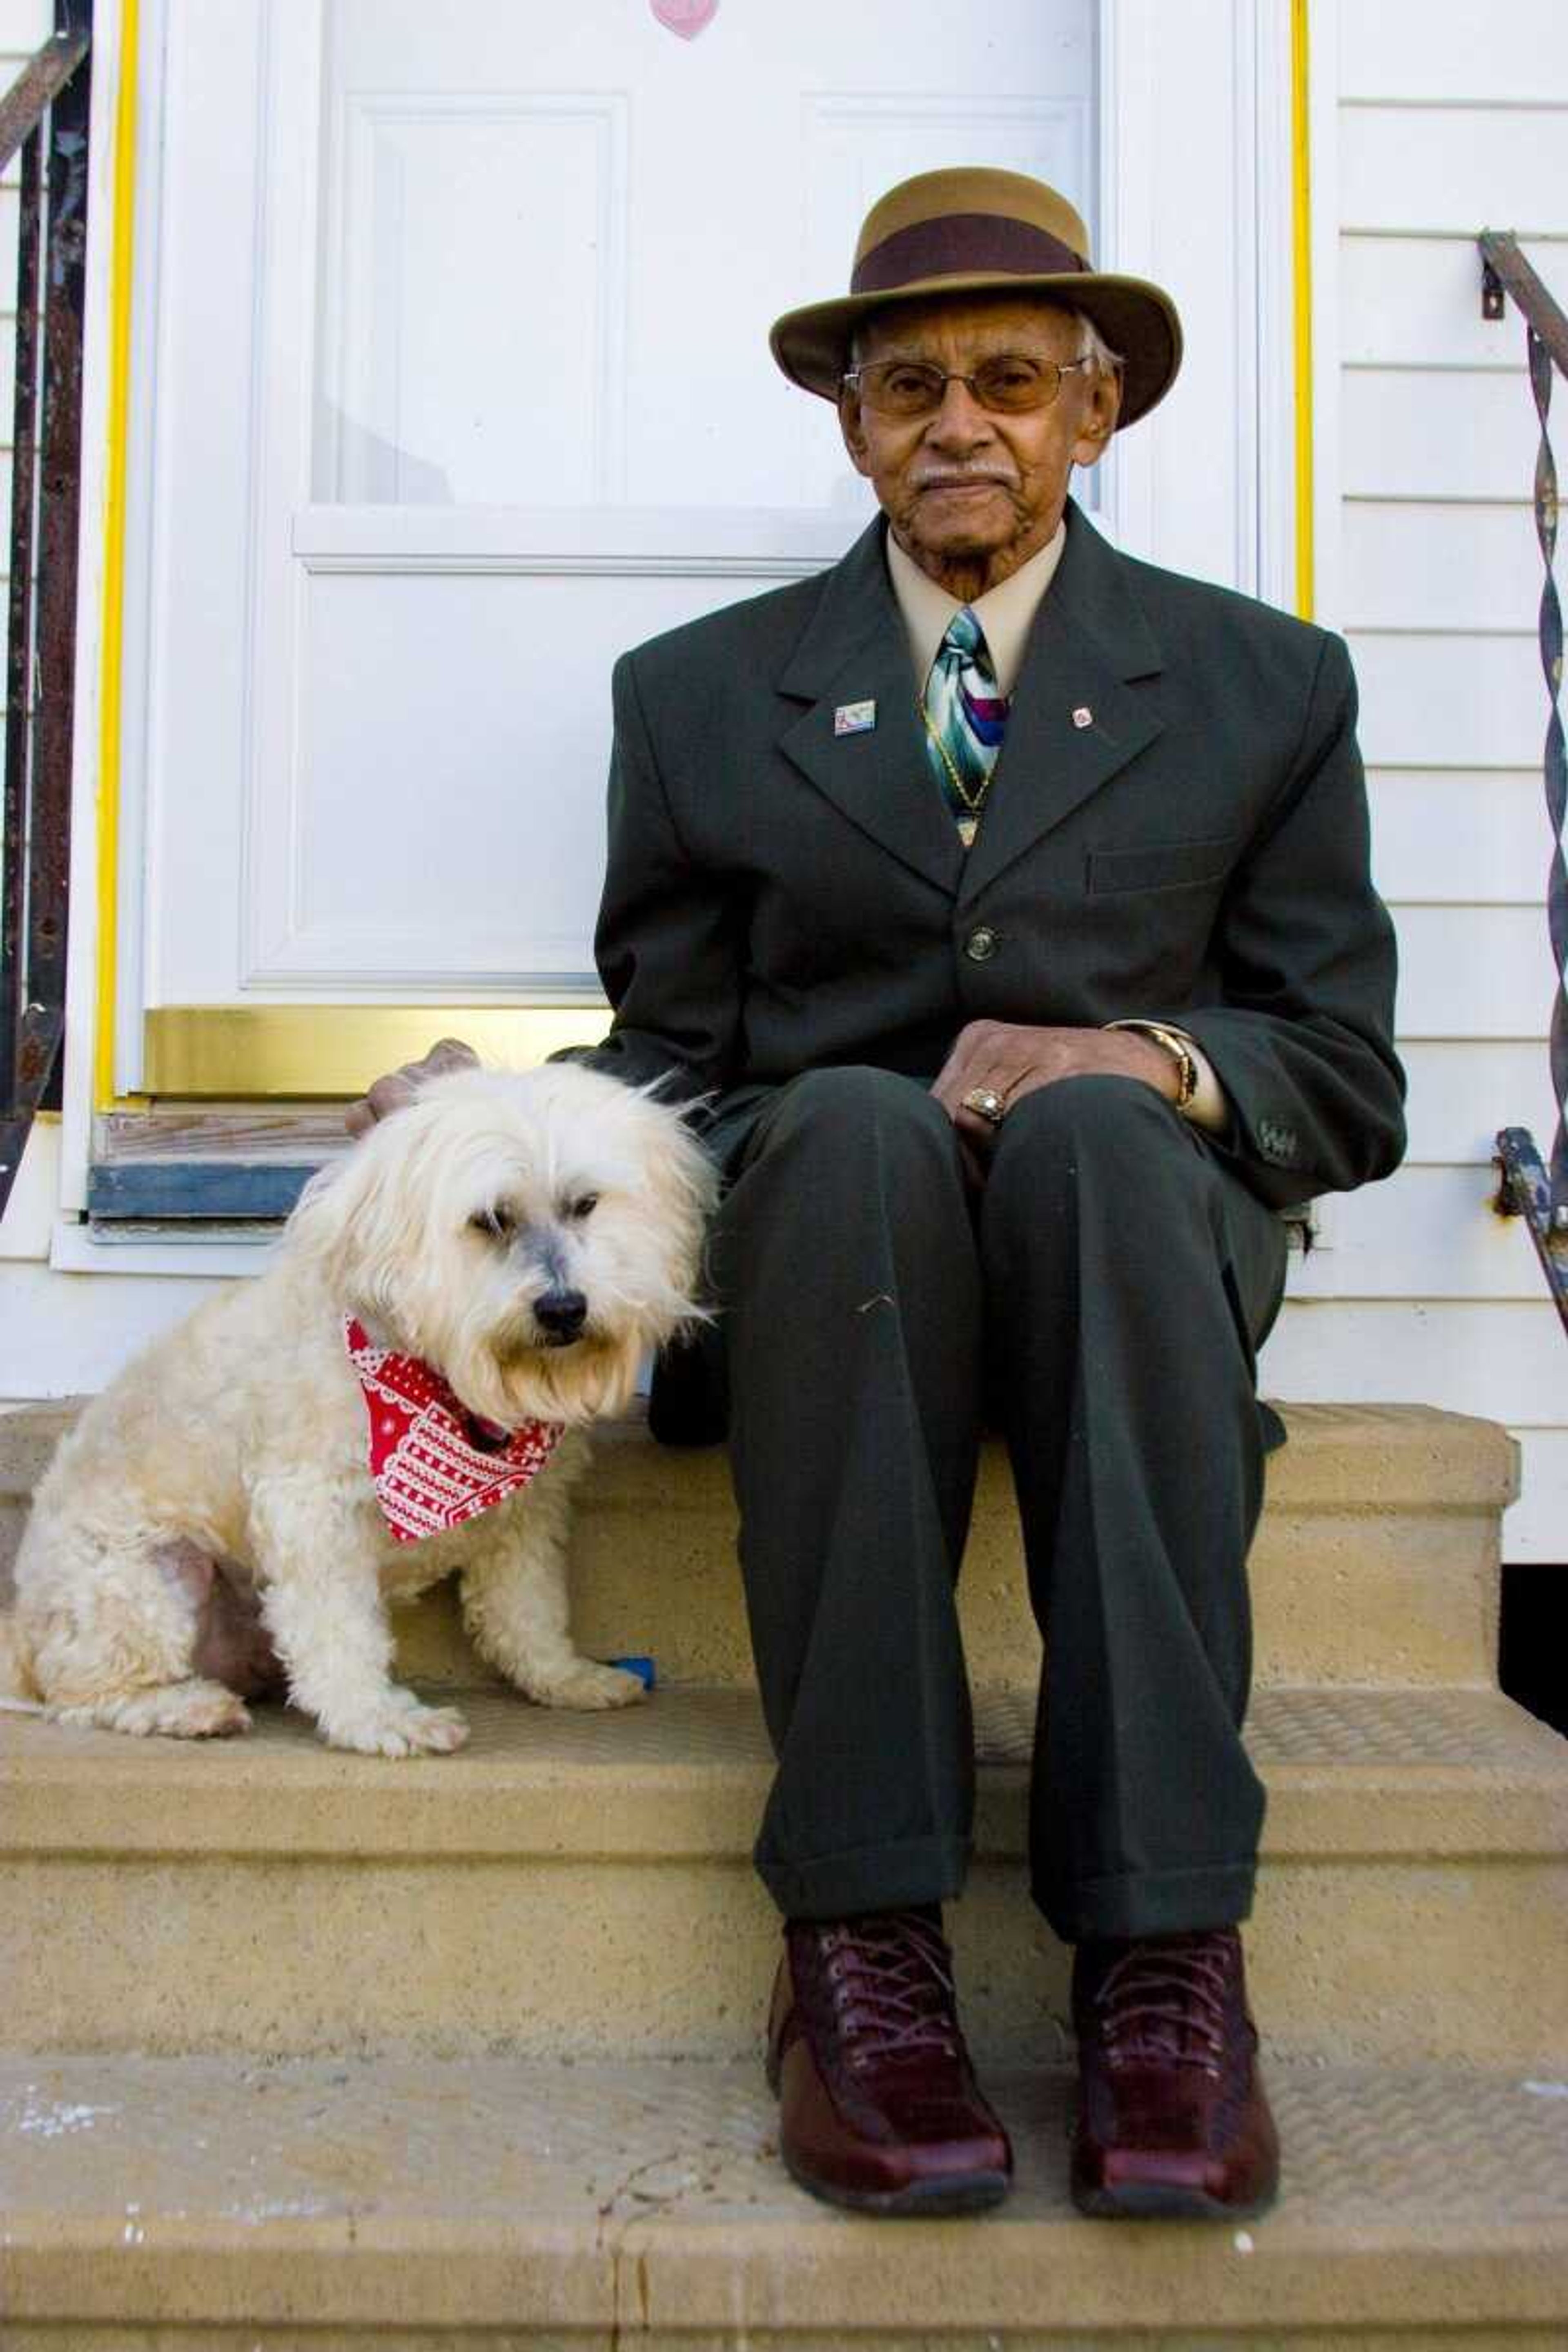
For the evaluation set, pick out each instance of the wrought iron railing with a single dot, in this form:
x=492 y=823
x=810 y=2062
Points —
x=45 y=115
x=1528 y=1188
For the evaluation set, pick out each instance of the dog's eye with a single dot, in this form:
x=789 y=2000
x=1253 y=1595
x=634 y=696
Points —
x=584 y=1205
x=497 y=1223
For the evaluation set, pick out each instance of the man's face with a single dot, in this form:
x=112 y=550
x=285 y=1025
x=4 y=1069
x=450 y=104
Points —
x=972 y=495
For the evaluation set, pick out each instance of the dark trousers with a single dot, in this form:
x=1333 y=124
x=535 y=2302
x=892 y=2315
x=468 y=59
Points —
x=1101 y=1302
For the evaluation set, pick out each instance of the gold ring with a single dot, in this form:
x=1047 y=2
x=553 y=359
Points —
x=987 y=1103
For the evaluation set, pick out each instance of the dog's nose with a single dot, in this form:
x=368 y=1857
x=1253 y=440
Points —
x=561 y=1315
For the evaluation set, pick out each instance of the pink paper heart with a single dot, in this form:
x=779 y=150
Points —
x=686 y=18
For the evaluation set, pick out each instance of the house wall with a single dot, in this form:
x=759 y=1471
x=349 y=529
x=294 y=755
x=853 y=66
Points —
x=1434 y=119
x=1430 y=118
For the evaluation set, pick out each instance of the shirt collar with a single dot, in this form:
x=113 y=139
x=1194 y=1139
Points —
x=1006 y=613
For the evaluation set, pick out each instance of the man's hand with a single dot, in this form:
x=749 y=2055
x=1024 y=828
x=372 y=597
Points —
x=1013 y=1060
x=398 y=1087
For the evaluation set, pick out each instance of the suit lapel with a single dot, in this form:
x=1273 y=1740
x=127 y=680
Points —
x=1089 y=640
x=856 y=650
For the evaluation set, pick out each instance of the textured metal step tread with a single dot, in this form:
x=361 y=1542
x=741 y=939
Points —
x=539 y=2196
x=1349 y=1771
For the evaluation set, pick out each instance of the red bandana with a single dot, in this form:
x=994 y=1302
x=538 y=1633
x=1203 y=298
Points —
x=427 y=1452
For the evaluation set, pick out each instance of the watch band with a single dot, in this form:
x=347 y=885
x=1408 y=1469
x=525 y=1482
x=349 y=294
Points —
x=1176 y=1046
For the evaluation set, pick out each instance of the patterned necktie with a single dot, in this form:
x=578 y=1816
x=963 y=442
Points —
x=966 y=719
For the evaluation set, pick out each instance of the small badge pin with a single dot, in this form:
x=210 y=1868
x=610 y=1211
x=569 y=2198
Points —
x=854 y=718
x=1083 y=716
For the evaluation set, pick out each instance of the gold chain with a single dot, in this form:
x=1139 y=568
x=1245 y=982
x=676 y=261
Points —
x=972 y=802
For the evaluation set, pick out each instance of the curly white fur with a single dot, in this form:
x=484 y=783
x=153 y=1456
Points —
x=214 y=1507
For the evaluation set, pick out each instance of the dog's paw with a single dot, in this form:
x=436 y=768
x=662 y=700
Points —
x=401 y=1726
x=196 y=1709
x=590 y=1685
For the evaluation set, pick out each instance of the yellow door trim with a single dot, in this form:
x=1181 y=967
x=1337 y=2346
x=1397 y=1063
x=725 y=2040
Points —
x=121 y=265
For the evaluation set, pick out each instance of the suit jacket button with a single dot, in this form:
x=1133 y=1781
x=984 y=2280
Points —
x=982 y=944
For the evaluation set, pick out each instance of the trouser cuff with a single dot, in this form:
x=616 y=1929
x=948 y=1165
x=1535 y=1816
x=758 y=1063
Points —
x=866 y=1878
x=1153 y=1902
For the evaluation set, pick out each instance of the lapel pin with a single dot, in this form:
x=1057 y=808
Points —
x=1083 y=716
x=854 y=718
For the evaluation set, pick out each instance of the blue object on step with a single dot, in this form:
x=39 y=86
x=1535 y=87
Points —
x=641 y=1667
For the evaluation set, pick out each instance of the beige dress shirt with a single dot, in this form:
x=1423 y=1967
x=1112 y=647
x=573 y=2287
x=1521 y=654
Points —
x=1006 y=615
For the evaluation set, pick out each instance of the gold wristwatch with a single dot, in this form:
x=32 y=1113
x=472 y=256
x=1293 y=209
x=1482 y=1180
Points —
x=1179 y=1049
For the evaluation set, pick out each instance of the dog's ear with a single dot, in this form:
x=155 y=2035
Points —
x=357 y=1225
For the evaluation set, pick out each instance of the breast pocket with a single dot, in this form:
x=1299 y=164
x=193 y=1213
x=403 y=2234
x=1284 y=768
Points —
x=1162 y=866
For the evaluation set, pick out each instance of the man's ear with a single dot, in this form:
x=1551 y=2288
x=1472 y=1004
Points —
x=1101 y=410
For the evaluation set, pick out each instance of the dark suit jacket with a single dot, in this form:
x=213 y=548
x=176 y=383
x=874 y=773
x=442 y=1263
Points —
x=779 y=896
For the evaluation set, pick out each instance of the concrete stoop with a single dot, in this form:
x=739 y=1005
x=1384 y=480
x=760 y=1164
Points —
x=1376 y=1560
x=319 y=2050
x=384 y=2202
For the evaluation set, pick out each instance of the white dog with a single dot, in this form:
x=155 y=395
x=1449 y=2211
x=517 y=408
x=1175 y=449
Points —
x=499 y=1256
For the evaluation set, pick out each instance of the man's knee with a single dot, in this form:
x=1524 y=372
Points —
x=1096 y=1147
x=853 y=1108
x=1100 y=1120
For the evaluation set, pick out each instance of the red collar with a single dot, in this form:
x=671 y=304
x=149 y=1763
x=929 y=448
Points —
x=433 y=1462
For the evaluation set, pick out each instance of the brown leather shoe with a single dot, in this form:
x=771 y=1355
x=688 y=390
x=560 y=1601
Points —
x=878 y=2106
x=1172 y=2119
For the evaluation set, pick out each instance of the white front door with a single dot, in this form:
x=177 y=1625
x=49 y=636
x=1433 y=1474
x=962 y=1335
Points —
x=453 y=381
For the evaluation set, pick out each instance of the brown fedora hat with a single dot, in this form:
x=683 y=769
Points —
x=975 y=230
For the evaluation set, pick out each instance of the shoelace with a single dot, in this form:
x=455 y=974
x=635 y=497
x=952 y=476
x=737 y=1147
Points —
x=1165 y=2000
x=890 y=1980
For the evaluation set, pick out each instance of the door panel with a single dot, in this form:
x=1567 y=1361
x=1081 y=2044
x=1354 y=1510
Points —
x=553 y=240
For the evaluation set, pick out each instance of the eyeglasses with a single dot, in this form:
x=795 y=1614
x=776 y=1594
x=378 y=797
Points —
x=1009 y=384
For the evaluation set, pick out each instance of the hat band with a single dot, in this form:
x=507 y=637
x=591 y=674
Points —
x=953 y=242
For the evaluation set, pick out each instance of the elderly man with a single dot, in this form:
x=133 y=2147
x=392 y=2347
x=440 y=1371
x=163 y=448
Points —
x=1007 y=902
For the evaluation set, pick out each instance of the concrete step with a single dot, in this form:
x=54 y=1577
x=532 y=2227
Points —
x=572 y=1884
x=1376 y=1562
x=399 y=2205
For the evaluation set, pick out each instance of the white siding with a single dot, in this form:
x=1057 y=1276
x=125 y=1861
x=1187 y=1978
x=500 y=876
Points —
x=1426 y=51
x=1447 y=118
